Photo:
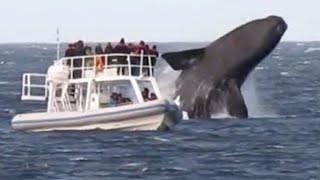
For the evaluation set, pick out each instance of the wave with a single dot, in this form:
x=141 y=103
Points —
x=4 y=82
x=312 y=50
x=8 y=52
x=300 y=44
x=284 y=74
x=260 y=68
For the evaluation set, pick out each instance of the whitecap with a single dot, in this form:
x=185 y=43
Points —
x=4 y=82
x=133 y=164
x=284 y=73
x=64 y=150
x=176 y=168
x=144 y=169
x=9 y=111
x=11 y=63
x=278 y=146
x=8 y=52
x=300 y=44
x=78 y=159
x=312 y=49
x=161 y=139
x=260 y=68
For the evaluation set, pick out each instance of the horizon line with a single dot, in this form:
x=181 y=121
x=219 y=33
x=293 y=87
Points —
x=66 y=42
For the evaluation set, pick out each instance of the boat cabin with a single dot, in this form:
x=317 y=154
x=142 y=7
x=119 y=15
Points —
x=87 y=83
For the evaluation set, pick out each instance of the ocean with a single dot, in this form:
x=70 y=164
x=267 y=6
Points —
x=280 y=140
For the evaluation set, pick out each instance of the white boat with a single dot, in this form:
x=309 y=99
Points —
x=97 y=92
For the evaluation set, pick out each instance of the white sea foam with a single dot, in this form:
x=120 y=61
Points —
x=134 y=164
x=11 y=63
x=253 y=101
x=312 y=49
x=8 y=52
x=284 y=73
x=161 y=139
x=276 y=57
x=300 y=44
x=9 y=111
x=260 y=68
x=78 y=159
x=4 y=82
x=306 y=62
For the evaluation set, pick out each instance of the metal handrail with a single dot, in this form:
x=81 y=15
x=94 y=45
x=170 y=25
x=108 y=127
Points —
x=27 y=86
x=70 y=61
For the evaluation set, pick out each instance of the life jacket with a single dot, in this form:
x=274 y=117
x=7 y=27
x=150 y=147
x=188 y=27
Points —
x=99 y=64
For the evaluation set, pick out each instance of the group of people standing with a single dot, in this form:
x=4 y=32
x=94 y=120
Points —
x=79 y=49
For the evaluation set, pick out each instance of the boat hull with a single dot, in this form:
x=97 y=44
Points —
x=148 y=116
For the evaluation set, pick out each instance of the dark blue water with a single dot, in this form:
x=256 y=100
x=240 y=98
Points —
x=281 y=141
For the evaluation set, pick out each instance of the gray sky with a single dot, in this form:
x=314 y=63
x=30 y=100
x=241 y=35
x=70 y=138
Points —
x=151 y=20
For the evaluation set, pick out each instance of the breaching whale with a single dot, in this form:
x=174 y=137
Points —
x=211 y=77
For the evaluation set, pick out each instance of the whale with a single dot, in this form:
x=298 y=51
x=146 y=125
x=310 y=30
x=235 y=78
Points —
x=211 y=77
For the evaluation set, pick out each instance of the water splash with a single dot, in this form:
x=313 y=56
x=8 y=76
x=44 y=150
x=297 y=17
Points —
x=253 y=101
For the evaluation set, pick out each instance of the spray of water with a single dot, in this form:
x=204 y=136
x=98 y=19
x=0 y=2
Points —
x=253 y=101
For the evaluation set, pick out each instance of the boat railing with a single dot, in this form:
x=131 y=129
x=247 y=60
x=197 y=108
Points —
x=111 y=65
x=34 y=87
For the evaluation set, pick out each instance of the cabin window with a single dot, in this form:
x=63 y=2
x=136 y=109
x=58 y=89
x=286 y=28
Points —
x=147 y=90
x=116 y=93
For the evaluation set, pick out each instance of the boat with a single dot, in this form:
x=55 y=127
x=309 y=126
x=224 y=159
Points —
x=106 y=91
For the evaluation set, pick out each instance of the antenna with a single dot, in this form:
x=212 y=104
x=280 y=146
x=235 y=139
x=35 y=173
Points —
x=58 y=43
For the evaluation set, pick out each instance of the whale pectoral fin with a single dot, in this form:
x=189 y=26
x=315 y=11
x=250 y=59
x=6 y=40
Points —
x=235 y=103
x=183 y=59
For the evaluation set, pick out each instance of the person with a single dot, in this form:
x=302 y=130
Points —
x=77 y=63
x=98 y=49
x=121 y=48
x=88 y=51
x=145 y=94
x=108 y=49
x=146 y=52
x=153 y=51
x=70 y=51
x=120 y=99
x=114 y=99
x=136 y=60
x=130 y=46
x=89 y=60
x=139 y=48
x=127 y=101
x=153 y=96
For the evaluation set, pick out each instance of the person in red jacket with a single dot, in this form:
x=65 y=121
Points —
x=139 y=48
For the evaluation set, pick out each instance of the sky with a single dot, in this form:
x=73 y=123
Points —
x=150 y=20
